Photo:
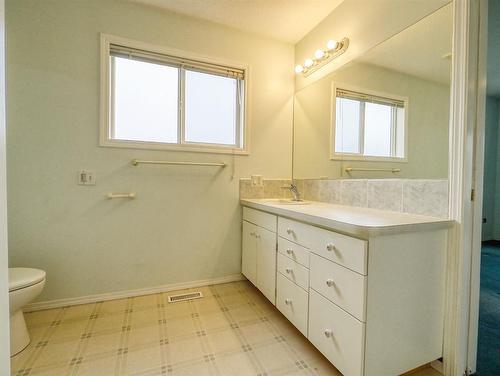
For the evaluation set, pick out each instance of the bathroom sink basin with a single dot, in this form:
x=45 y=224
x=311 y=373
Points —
x=287 y=201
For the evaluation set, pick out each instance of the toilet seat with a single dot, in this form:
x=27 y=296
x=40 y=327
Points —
x=20 y=278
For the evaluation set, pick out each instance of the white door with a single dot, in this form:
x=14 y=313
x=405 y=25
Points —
x=249 y=252
x=266 y=263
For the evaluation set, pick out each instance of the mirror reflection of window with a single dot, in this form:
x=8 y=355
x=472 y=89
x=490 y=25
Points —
x=368 y=125
x=348 y=117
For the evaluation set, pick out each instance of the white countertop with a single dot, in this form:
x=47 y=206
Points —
x=360 y=222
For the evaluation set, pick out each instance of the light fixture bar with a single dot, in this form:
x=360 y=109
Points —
x=323 y=57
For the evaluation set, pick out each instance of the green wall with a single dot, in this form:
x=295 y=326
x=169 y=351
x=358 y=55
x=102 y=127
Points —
x=185 y=223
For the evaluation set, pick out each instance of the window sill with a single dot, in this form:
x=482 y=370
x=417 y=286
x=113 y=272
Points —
x=145 y=145
x=349 y=157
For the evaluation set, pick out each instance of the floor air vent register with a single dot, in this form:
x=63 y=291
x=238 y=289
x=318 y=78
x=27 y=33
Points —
x=184 y=297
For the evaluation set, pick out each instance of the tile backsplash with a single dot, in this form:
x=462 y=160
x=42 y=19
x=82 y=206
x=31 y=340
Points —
x=427 y=197
x=271 y=188
x=385 y=195
x=416 y=196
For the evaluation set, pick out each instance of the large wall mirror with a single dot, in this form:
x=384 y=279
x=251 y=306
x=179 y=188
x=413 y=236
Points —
x=386 y=113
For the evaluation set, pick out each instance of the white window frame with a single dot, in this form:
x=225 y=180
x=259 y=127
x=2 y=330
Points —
x=106 y=124
x=359 y=156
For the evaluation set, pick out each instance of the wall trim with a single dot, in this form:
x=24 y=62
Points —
x=460 y=186
x=58 y=303
x=480 y=44
x=463 y=120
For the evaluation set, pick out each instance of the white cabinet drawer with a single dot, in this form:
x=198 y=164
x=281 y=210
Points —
x=292 y=301
x=293 y=271
x=294 y=251
x=260 y=218
x=342 y=249
x=342 y=286
x=339 y=336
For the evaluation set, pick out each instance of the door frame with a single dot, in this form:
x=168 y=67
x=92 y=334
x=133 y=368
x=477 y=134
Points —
x=465 y=185
x=478 y=176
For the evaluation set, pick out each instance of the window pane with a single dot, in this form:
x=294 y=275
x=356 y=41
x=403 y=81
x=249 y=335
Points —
x=210 y=109
x=377 y=130
x=347 y=126
x=145 y=101
x=400 y=132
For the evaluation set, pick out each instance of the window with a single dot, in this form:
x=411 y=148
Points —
x=158 y=99
x=368 y=126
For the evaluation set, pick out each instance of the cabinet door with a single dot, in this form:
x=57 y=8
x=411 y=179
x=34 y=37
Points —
x=266 y=263
x=249 y=252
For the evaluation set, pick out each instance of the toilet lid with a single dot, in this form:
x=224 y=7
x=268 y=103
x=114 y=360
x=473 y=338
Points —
x=24 y=277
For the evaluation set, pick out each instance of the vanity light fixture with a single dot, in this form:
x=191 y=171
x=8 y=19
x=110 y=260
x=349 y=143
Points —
x=322 y=57
x=332 y=44
x=319 y=54
x=299 y=69
x=308 y=63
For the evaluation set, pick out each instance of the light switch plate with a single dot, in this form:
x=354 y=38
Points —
x=86 y=177
x=257 y=180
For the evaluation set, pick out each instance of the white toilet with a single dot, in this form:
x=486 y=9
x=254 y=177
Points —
x=25 y=284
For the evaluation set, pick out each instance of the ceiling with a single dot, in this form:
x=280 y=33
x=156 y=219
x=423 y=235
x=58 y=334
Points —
x=419 y=50
x=285 y=20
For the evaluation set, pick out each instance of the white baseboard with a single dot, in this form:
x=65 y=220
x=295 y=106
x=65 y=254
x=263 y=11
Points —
x=438 y=366
x=37 y=306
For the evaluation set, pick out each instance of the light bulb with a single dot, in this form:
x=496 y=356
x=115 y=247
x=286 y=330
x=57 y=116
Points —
x=299 y=69
x=319 y=54
x=332 y=44
x=308 y=63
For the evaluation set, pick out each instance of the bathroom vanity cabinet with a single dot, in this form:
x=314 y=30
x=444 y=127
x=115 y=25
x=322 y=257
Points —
x=366 y=287
x=259 y=252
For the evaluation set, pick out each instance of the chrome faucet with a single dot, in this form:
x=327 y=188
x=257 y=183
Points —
x=295 y=191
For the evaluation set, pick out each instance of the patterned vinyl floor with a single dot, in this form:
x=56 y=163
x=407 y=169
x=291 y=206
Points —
x=232 y=331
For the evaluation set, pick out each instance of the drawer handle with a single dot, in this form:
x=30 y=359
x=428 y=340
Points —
x=252 y=234
x=289 y=270
x=289 y=231
x=330 y=282
x=289 y=251
x=328 y=333
x=330 y=247
x=288 y=301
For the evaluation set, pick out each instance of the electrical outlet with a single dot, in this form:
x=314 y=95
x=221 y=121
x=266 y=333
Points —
x=86 y=177
x=257 y=180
